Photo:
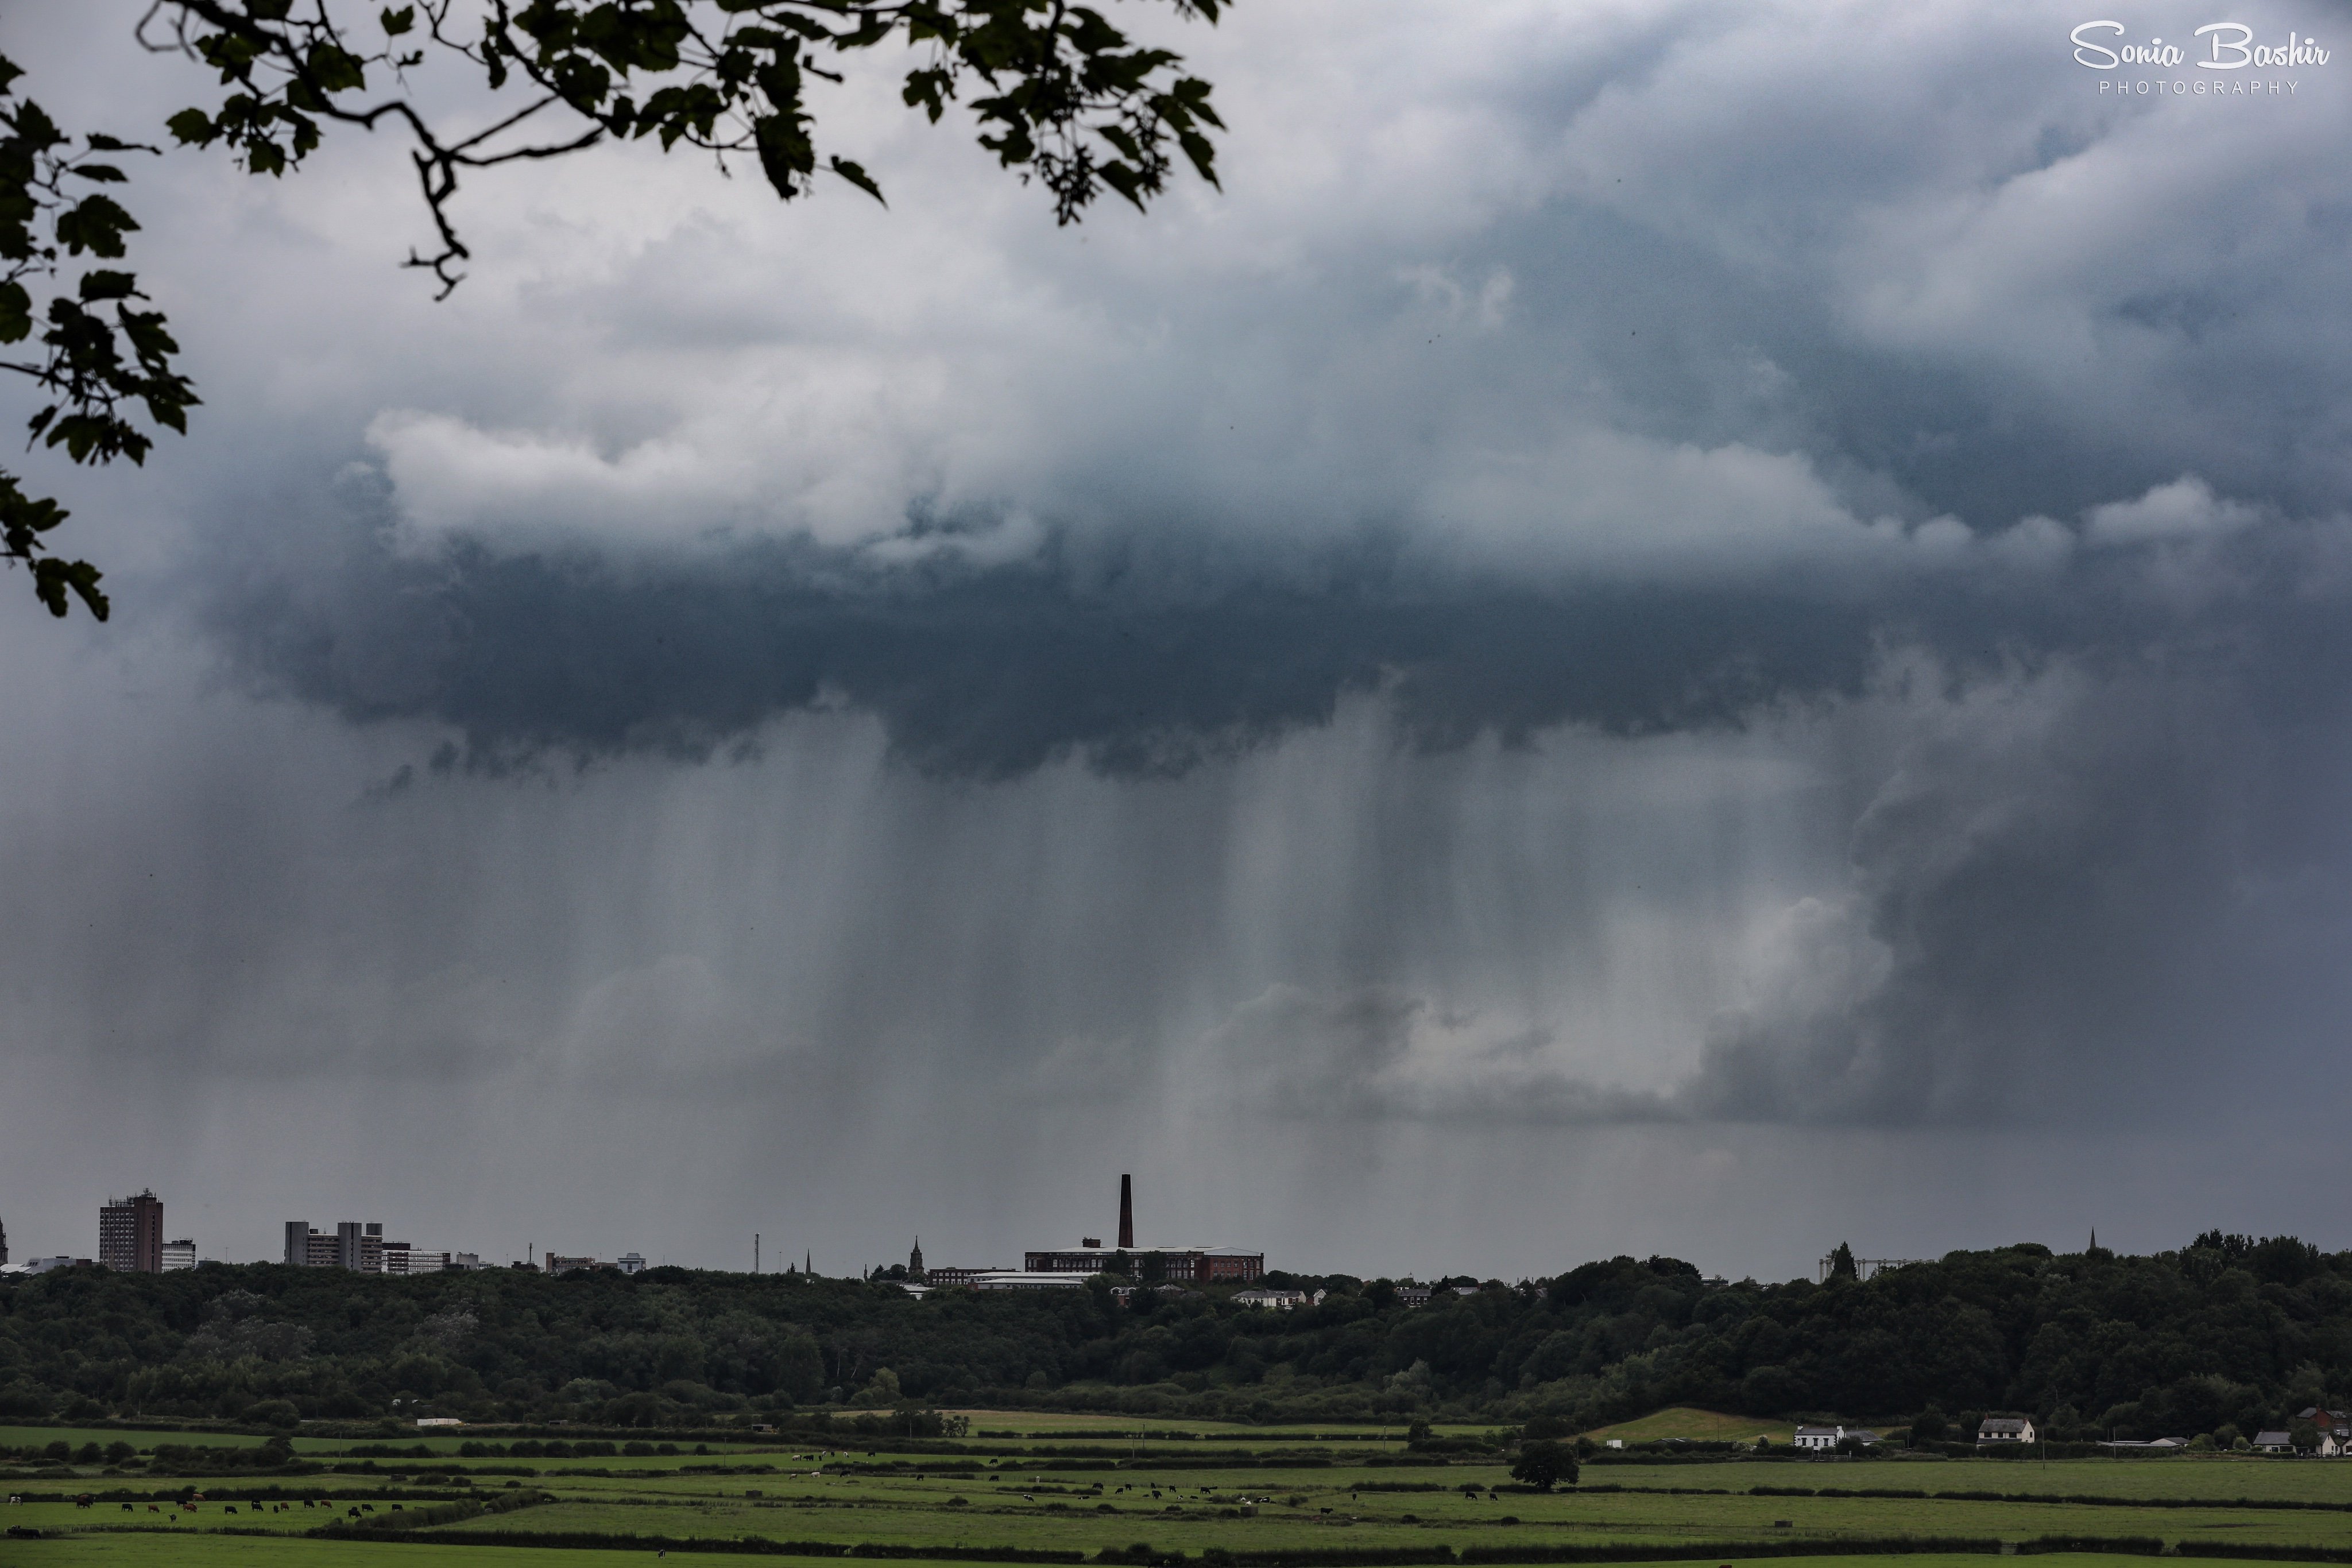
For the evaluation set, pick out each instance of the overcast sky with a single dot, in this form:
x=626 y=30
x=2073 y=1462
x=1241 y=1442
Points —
x=1703 y=628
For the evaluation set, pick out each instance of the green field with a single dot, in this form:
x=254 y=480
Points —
x=1356 y=1497
x=19 y=1437
x=439 y=1439
x=127 y=1551
x=1080 y=1423
x=1696 y=1426
x=230 y=1552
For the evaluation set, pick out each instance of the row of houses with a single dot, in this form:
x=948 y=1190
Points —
x=2332 y=1439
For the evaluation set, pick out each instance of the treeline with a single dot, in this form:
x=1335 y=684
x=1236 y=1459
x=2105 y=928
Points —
x=2226 y=1333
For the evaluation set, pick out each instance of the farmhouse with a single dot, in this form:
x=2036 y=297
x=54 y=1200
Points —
x=2004 y=1429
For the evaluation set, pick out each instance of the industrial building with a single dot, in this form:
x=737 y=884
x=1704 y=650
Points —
x=1189 y=1265
x=1059 y=1266
x=1186 y=1265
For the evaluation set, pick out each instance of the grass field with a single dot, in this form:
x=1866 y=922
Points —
x=236 y=1552
x=1079 y=1504
x=1060 y=1427
x=2220 y=1475
x=18 y=1437
x=1697 y=1426
x=440 y=1441
x=230 y=1552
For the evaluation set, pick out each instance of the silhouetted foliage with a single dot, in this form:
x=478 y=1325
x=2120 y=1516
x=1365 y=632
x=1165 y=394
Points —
x=1058 y=94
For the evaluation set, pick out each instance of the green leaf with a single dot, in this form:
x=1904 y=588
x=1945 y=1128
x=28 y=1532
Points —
x=398 y=22
x=94 y=223
x=337 y=70
x=35 y=128
x=104 y=174
x=192 y=127
x=16 y=313
x=51 y=579
x=1201 y=152
x=99 y=285
x=785 y=154
x=858 y=177
x=1123 y=180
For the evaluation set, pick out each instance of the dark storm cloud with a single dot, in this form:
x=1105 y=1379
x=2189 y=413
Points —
x=1139 y=662
x=1146 y=652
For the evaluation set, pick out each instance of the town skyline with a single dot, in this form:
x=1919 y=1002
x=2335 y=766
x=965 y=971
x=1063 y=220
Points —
x=368 y=1247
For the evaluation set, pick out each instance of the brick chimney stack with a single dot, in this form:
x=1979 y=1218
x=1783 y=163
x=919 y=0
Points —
x=1127 y=1213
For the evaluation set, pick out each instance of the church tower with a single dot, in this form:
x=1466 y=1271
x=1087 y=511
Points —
x=914 y=1262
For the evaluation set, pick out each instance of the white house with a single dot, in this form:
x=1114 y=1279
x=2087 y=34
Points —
x=2273 y=1443
x=1276 y=1301
x=2005 y=1429
x=2334 y=1430
x=1826 y=1439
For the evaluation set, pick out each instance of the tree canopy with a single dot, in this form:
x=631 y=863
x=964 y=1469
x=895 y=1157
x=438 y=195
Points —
x=2241 y=1336
x=1544 y=1463
x=1058 y=95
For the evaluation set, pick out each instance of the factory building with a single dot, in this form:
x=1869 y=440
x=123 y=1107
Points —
x=1185 y=1265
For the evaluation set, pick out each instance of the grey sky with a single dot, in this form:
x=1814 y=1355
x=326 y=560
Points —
x=1695 y=628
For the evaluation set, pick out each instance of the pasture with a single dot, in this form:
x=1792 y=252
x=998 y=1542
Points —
x=1694 y=1425
x=942 y=1505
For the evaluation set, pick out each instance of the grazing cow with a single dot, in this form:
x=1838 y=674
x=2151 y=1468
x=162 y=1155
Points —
x=126 y=1508
x=153 y=1508
x=228 y=1511
x=369 y=1506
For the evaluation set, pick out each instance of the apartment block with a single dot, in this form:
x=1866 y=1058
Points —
x=131 y=1234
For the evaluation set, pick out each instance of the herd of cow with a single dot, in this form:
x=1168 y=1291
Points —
x=191 y=1504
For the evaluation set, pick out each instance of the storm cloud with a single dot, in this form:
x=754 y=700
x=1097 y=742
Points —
x=1650 y=592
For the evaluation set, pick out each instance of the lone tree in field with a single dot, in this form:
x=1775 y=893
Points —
x=1544 y=1463
x=1061 y=96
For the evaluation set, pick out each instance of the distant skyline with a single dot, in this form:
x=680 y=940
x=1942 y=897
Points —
x=1674 y=627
